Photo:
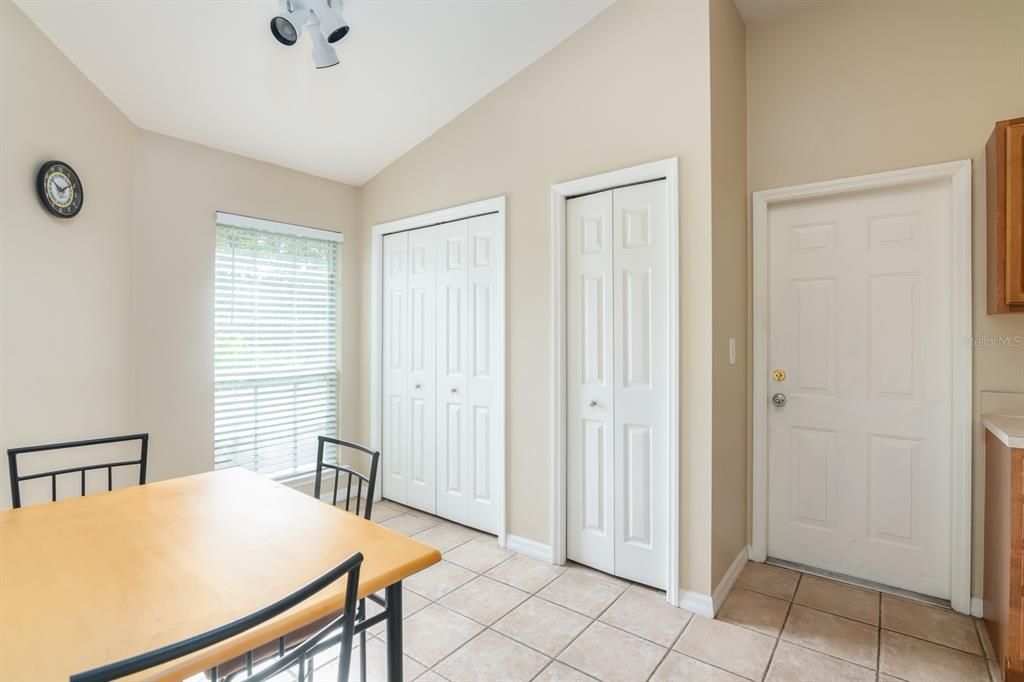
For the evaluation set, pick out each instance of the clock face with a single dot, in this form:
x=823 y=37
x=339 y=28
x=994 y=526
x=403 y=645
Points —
x=59 y=189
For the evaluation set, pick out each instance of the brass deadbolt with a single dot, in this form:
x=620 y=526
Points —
x=779 y=375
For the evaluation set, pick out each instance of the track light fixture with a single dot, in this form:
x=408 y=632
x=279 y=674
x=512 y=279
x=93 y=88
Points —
x=326 y=26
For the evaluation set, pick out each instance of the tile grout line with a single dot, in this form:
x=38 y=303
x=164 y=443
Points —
x=984 y=651
x=694 y=617
x=485 y=626
x=938 y=644
x=436 y=602
x=832 y=656
x=778 y=637
x=580 y=633
x=595 y=619
x=671 y=646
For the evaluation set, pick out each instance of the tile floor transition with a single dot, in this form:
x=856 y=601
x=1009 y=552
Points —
x=486 y=614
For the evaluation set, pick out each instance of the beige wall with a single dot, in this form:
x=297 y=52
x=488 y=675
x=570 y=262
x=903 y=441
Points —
x=179 y=186
x=106 y=322
x=729 y=242
x=858 y=87
x=631 y=86
x=66 y=364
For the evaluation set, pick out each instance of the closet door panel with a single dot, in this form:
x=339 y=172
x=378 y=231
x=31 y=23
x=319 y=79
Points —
x=641 y=389
x=590 y=407
x=452 y=254
x=395 y=368
x=485 y=264
x=422 y=370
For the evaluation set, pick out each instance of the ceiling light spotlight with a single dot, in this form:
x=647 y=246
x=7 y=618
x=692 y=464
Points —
x=324 y=20
x=287 y=26
x=332 y=23
x=323 y=53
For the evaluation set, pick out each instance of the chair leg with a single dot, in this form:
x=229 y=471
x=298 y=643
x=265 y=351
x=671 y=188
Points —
x=362 y=655
x=362 y=642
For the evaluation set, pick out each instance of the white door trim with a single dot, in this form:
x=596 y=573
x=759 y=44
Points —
x=958 y=174
x=493 y=205
x=668 y=169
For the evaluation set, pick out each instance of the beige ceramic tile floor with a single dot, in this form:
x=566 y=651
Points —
x=486 y=614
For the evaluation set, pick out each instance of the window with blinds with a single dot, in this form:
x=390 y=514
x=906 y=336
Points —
x=275 y=346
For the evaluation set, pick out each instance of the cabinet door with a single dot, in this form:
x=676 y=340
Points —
x=1015 y=631
x=1015 y=214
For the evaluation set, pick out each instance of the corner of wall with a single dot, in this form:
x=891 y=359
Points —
x=730 y=328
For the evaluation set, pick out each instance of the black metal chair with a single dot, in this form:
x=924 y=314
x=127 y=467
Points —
x=364 y=511
x=232 y=669
x=344 y=469
x=16 y=479
x=338 y=631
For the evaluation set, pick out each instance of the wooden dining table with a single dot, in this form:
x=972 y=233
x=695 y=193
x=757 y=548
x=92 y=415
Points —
x=96 y=579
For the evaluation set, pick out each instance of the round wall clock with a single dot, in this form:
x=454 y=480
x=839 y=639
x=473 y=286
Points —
x=59 y=189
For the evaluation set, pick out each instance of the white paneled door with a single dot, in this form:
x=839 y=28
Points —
x=442 y=427
x=859 y=459
x=422 y=415
x=590 y=444
x=395 y=363
x=452 y=283
x=486 y=329
x=617 y=389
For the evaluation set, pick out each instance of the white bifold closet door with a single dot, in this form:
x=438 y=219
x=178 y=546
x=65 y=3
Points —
x=395 y=362
x=442 y=419
x=617 y=388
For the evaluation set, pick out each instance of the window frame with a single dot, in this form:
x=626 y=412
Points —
x=226 y=219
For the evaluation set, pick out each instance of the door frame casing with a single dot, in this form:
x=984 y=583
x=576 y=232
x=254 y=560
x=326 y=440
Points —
x=655 y=170
x=958 y=175
x=493 y=205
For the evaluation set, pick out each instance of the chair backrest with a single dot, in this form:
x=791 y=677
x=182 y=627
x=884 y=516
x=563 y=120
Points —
x=341 y=627
x=343 y=469
x=16 y=479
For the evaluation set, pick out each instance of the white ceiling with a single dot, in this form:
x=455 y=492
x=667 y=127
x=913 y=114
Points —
x=758 y=11
x=210 y=72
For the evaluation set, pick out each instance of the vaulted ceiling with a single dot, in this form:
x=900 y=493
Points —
x=210 y=72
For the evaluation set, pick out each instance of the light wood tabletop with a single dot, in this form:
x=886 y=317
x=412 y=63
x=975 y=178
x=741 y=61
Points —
x=91 y=580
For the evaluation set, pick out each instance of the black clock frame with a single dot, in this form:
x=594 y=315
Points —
x=41 y=188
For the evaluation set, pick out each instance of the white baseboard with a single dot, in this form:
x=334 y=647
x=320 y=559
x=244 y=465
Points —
x=708 y=605
x=721 y=593
x=977 y=607
x=698 y=603
x=531 y=548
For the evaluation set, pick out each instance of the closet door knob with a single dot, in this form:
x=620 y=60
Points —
x=593 y=403
x=455 y=390
x=419 y=386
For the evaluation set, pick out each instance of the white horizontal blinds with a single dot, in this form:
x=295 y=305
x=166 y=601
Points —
x=275 y=350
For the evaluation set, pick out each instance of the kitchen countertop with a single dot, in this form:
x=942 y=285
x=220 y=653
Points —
x=1008 y=429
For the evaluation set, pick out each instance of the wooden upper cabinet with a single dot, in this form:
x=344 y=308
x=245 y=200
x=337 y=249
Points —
x=1005 y=162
